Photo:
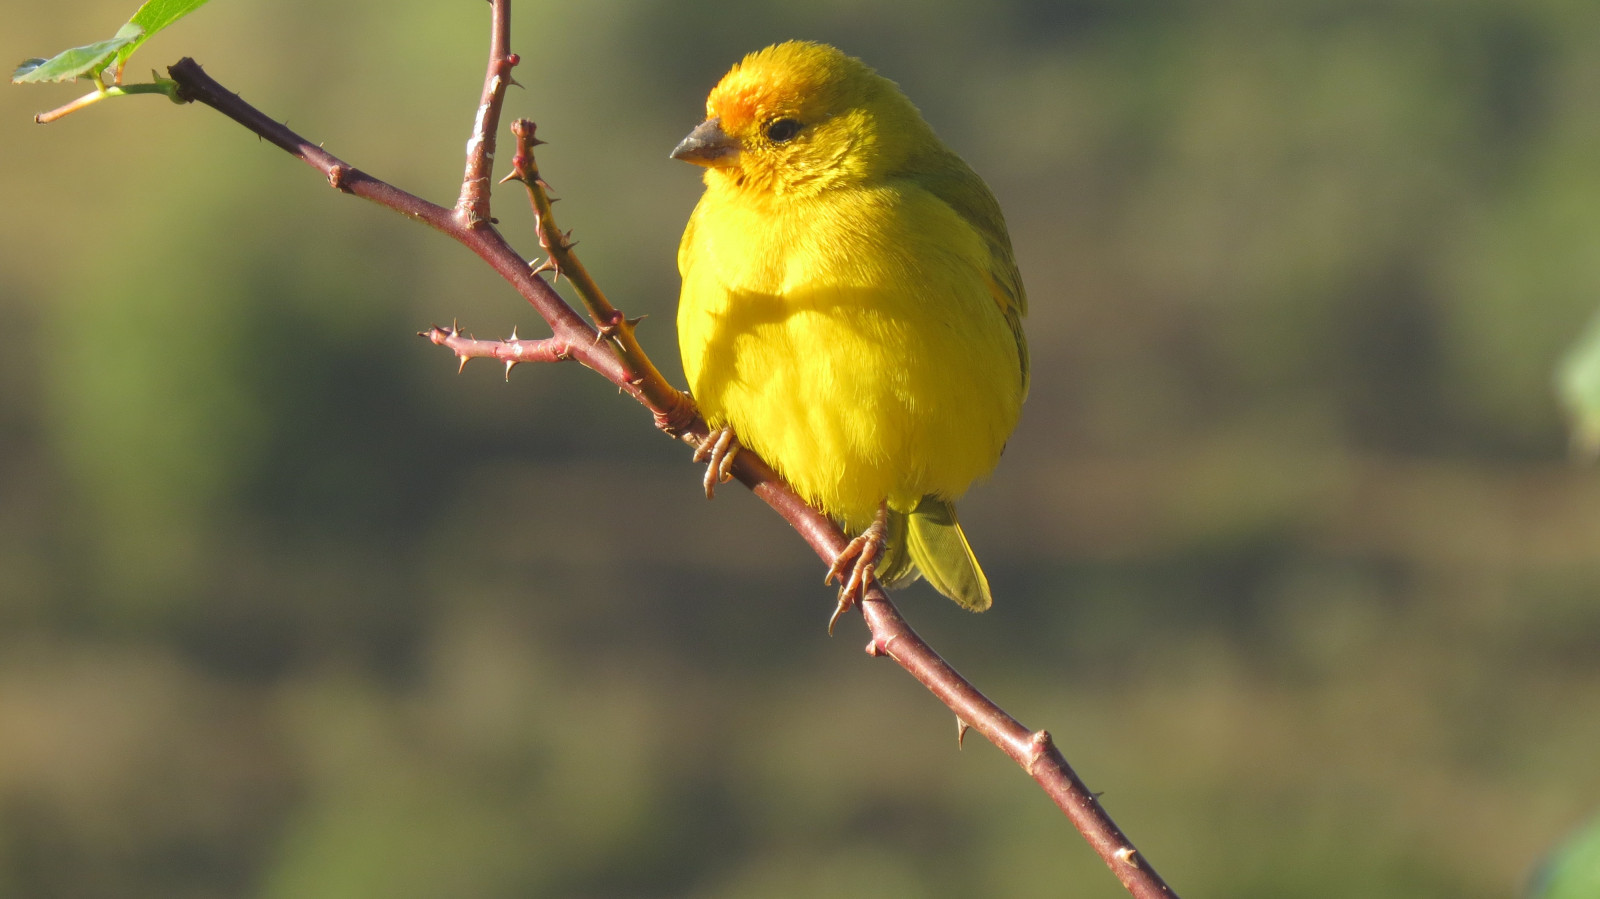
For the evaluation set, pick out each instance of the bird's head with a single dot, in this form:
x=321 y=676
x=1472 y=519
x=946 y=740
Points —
x=799 y=118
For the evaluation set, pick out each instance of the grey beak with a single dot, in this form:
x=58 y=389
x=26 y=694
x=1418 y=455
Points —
x=706 y=144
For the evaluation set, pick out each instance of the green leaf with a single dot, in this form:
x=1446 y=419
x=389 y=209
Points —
x=90 y=59
x=1573 y=872
x=70 y=65
x=1578 y=382
x=153 y=16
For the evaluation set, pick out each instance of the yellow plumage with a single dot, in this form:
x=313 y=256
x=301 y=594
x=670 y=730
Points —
x=850 y=305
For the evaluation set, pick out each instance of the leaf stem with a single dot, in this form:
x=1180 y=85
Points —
x=160 y=86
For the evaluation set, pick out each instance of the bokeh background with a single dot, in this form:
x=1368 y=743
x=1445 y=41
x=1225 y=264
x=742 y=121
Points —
x=1288 y=551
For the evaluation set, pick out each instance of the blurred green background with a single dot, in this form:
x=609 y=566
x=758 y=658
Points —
x=1288 y=552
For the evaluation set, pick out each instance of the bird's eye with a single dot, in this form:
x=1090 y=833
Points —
x=782 y=130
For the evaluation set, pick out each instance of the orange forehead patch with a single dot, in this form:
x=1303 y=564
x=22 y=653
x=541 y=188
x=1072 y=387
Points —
x=778 y=80
x=737 y=101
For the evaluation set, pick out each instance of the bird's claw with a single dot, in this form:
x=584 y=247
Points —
x=856 y=566
x=838 y=612
x=718 y=451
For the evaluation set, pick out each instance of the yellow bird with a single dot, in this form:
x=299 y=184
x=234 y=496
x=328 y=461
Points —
x=851 y=309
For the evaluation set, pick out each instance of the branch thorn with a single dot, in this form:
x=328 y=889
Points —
x=961 y=732
x=549 y=265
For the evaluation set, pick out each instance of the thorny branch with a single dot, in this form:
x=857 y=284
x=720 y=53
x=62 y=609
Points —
x=560 y=260
x=608 y=348
x=513 y=351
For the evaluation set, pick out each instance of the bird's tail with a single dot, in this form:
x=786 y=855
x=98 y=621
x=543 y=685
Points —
x=928 y=542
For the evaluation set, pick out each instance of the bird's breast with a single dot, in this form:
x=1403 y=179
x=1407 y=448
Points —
x=852 y=341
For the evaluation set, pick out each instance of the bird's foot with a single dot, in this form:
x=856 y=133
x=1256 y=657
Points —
x=856 y=565
x=718 y=451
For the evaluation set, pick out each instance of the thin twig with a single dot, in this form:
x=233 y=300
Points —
x=512 y=351
x=472 y=207
x=1035 y=752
